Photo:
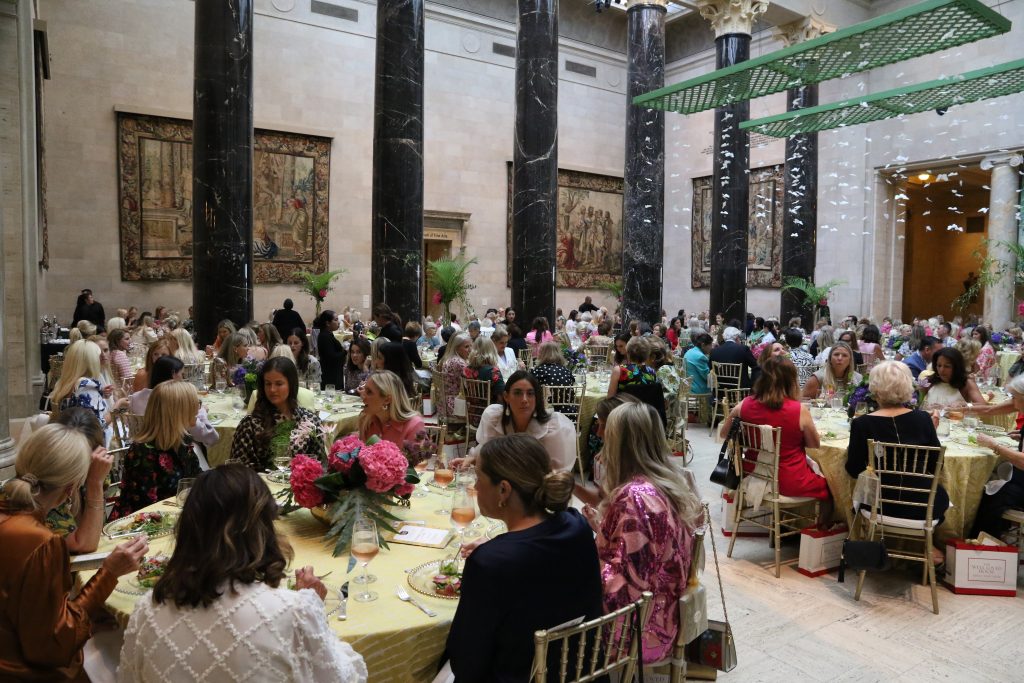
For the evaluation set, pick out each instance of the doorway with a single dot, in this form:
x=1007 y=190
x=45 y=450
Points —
x=433 y=249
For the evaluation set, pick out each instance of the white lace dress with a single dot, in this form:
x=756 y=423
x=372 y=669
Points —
x=259 y=634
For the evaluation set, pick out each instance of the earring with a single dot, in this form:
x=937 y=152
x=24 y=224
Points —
x=501 y=503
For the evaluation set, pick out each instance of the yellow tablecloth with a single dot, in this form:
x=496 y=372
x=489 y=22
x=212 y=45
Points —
x=964 y=473
x=344 y=413
x=1006 y=360
x=597 y=389
x=400 y=643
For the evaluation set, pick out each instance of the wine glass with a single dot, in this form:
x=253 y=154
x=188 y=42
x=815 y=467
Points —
x=220 y=385
x=282 y=460
x=443 y=475
x=463 y=511
x=364 y=549
x=184 y=485
x=421 y=470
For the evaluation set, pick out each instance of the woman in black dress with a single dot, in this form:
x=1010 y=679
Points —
x=332 y=355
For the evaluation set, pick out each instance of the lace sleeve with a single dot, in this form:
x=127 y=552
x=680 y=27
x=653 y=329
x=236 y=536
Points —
x=323 y=655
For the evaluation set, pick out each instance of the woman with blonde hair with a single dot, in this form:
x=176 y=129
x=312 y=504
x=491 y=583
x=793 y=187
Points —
x=646 y=523
x=232 y=352
x=482 y=364
x=387 y=412
x=116 y=324
x=144 y=333
x=256 y=350
x=452 y=366
x=44 y=629
x=187 y=352
x=268 y=337
x=836 y=377
x=161 y=454
x=970 y=350
x=80 y=385
x=225 y=328
x=551 y=370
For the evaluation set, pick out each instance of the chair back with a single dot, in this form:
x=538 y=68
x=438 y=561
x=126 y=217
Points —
x=526 y=356
x=600 y=646
x=903 y=470
x=440 y=395
x=56 y=367
x=651 y=394
x=764 y=442
x=597 y=354
x=437 y=435
x=567 y=400
x=727 y=375
x=477 y=393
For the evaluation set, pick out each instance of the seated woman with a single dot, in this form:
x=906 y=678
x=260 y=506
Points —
x=357 y=366
x=1009 y=494
x=604 y=328
x=268 y=337
x=548 y=547
x=774 y=401
x=187 y=352
x=892 y=386
x=409 y=343
x=836 y=377
x=551 y=370
x=595 y=444
x=256 y=349
x=389 y=355
x=870 y=345
x=119 y=343
x=969 y=350
x=452 y=366
x=161 y=454
x=665 y=370
x=161 y=347
x=79 y=385
x=850 y=337
x=226 y=579
x=233 y=351
x=43 y=629
x=646 y=523
x=697 y=365
x=516 y=341
x=225 y=328
x=332 y=355
x=387 y=412
x=619 y=352
x=482 y=364
x=635 y=370
x=539 y=333
x=166 y=369
x=307 y=365
x=523 y=412
x=507 y=361
x=277 y=412
x=950 y=386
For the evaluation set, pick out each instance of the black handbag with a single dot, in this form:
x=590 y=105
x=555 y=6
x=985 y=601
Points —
x=861 y=556
x=724 y=473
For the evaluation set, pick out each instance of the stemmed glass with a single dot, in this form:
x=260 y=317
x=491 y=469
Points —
x=184 y=485
x=329 y=393
x=282 y=460
x=421 y=470
x=443 y=475
x=463 y=511
x=220 y=385
x=364 y=549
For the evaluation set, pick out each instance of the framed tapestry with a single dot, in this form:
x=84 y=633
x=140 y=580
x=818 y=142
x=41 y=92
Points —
x=291 y=174
x=589 y=231
x=764 y=241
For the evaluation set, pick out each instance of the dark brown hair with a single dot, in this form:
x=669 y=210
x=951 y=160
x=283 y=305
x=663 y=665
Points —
x=225 y=535
x=776 y=383
x=959 y=377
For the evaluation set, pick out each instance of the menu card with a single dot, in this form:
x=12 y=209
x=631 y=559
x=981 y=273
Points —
x=423 y=535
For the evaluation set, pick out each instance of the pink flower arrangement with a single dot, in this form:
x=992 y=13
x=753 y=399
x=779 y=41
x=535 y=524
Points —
x=437 y=298
x=305 y=472
x=385 y=466
x=323 y=294
x=1020 y=309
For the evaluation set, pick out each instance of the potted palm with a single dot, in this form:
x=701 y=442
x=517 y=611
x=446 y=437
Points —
x=448 y=277
x=815 y=296
x=317 y=285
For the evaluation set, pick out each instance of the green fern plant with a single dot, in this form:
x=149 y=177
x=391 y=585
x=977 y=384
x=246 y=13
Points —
x=813 y=294
x=449 y=278
x=317 y=285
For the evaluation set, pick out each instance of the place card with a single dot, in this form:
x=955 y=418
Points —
x=426 y=536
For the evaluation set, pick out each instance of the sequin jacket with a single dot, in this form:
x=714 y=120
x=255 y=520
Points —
x=643 y=546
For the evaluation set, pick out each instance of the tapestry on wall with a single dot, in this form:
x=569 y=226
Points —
x=589 y=231
x=764 y=242
x=291 y=175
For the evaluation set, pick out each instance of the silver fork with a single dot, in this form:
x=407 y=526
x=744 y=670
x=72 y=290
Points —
x=404 y=596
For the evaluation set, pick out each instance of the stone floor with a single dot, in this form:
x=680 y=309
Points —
x=797 y=628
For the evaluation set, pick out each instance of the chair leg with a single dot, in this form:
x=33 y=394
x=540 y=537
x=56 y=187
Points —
x=930 y=567
x=736 y=519
x=777 y=525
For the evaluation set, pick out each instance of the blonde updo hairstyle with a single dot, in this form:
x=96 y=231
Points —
x=969 y=349
x=891 y=383
x=54 y=457
x=522 y=461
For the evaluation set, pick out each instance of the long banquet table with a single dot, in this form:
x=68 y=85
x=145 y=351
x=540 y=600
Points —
x=965 y=470
x=399 y=642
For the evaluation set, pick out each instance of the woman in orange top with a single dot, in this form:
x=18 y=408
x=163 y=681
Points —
x=43 y=630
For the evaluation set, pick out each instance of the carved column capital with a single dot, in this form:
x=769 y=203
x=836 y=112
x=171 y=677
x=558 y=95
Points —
x=801 y=30
x=731 y=16
x=1012 y=159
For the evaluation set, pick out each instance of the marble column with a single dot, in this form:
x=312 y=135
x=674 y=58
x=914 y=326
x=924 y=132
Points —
x=6 y=442
x=732 y=21
x=1003 y=205
x=29 y=203
x=222 y=153
x=397 y=266
x=643 y=205
x=800 y=206
x=535 y=161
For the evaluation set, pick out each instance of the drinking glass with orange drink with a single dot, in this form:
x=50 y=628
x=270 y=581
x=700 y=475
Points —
x=364 y=549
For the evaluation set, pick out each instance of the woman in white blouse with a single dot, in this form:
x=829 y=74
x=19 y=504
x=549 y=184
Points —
x=524 y=412
x=222 y=610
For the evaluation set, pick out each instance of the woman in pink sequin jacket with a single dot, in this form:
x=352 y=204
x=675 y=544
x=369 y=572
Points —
x=646 y=524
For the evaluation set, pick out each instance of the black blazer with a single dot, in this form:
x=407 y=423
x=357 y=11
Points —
x=734 y=352
x=332 y=359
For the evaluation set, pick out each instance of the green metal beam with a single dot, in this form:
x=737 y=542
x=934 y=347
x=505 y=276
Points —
x=913 y=31
x=994 y=81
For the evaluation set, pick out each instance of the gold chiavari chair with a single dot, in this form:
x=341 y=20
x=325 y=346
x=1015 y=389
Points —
x=597 y=354
x=905 y=475
x=610 y=640
x=761 y=485
x=477 y=393
x=568 y=400
x=723 y=376
x=440 y=396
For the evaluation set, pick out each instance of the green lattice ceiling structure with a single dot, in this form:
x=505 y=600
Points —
x=994 y=81
x=919 y=29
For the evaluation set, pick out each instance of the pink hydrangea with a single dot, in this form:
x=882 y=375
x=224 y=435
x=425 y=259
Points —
x=347 y=444
x=405 y=489
x=305 y=471
x=384 y=464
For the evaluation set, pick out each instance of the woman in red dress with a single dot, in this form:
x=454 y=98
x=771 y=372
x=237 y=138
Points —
x=774 y=401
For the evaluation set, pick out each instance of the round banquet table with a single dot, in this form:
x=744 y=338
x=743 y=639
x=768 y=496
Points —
x=343 y=413
x=1006 y=360
x=398 y=641
x=965 y=470
x=597 y=389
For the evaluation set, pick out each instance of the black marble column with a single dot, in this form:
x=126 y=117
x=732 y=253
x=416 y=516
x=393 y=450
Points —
x=730 y=192
x=643 y=229
x=800 y=217
x=535 y=161
x=222 y=144
x=397 y=267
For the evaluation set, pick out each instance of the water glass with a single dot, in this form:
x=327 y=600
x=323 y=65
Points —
x=183 y=488
x=943 y=428
x=329 y=393
x=220 y=385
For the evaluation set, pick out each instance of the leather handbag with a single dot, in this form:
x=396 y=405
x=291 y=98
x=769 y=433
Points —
x=863 y=556
x=716 y=647
x=724 y=473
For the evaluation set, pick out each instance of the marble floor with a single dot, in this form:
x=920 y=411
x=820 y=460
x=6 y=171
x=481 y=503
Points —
x=797 y=628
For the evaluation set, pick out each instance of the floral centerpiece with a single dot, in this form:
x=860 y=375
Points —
x=861 y=393
x=574 y=358
x=317 y=285
x=246 y=375
x=448 y=277
x=358 y=479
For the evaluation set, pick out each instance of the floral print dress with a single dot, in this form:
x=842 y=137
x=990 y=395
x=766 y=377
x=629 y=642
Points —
x=152 y=474
x=90 y=395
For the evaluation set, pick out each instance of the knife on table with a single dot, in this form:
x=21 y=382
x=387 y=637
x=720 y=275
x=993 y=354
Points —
x=343 y=608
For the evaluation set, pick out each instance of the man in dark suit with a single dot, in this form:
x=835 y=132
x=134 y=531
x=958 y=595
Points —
x=734 y=351
x=920 y=359
x=287 y=319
